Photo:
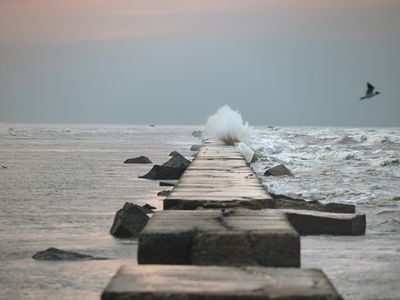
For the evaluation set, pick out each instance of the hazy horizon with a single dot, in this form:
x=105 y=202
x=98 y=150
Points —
x=284 y=63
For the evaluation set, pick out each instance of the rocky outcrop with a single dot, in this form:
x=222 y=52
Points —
x=129 y=221
x=170 y=170
x=177 y=161
x=173 y=153
x=164 y=173
x=279 y=170
x=58 y=254
x=138 y=160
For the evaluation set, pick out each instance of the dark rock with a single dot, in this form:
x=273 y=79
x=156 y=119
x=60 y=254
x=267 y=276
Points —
x=129 y=221
x=164 y=173
x=57 y=254
x=174 y=153
x=347 y=140
x=197 y=133
x=168 y=183
x=4 y=167
x=288 y=196
x=148 y=208
x=152 y=125
x=279 y=170
x=195 y=147
x=177 y=161
x=164 y=193
x=138 y=160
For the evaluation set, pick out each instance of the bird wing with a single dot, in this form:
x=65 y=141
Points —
x=370 y=88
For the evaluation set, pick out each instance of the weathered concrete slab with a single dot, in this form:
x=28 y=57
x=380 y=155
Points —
x=155 y=282
x=219 y=177
x=242 y=202
x=213 y=237
x=294 y=202
x=313 y=223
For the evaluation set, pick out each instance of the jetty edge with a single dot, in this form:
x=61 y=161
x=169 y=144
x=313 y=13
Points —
x=208 y=253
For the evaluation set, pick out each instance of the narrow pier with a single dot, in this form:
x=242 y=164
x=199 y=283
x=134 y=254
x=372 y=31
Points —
x=220 y=223
x=219 y=177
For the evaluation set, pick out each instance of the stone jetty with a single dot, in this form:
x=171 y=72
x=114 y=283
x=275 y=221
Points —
x=222 y=236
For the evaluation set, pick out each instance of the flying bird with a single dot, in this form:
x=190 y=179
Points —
x=370 y=92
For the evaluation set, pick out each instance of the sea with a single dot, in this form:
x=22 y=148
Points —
x=60 y=186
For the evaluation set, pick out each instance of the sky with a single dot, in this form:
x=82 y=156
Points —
x=278 y=62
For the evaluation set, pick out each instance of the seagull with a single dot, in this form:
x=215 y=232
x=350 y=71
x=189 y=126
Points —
x=370 y=92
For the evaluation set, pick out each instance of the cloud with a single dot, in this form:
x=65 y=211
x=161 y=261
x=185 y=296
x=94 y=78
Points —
x=43 y=22
x=38 y=22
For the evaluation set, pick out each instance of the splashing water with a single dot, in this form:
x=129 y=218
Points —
x=227 y=126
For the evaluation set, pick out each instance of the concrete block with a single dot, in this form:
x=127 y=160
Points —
x=313 y=222
x=157 y=282
x=211 y=237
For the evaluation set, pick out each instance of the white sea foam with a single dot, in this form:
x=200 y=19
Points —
x=227 y=126
x=332 y=164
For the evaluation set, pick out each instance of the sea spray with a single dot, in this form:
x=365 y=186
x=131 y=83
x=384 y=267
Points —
x=227 y=126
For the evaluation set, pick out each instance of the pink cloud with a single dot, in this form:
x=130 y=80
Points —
x=49 y=21
x=38 y=22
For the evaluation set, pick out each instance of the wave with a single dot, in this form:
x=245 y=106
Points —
x=227 y=126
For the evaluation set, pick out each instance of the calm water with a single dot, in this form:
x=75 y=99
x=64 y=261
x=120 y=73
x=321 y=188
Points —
x=61 y=188
x=62 y=185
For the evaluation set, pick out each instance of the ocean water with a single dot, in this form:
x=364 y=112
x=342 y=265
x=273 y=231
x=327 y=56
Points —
x=358 y=166
x=62 y=184
x=61 y=188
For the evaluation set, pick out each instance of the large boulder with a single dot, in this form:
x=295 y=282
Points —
x=164 y=173
x=170 y=170
x=279 y=170
x=129 y=221
x=138 y=160
x=58 y=254
x=173 y=153
x=177 y=161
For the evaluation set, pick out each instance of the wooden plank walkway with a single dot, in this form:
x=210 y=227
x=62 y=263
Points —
x=155 y=282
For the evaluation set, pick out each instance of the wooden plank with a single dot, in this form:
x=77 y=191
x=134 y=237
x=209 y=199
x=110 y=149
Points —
x=213 y=237
x=157 y=282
